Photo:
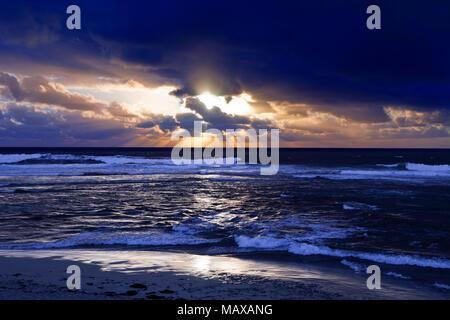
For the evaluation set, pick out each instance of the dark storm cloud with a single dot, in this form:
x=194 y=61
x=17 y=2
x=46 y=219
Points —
x=213 y=118
x=165 y=123
x=31 y=126
x=186 y=120
x=315 y=52
x=306 y=56
x=218 y=119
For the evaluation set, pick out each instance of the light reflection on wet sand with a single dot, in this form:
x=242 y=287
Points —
x=179 y=263
x=228 y=271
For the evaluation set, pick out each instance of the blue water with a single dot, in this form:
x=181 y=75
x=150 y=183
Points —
x=351 y=207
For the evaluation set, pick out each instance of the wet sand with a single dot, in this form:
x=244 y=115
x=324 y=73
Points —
x=163 y=275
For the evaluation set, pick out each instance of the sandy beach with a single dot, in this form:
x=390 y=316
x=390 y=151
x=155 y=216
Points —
x=161 y=275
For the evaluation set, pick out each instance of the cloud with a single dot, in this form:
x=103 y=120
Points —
x=413 y=118
x=362 y=114
x=218 y=119
x=163 y=122
x=26 y=125
x=414 y=133
x=301 y=52
x=40 y=90
x=186 y=120
x=312 y=66
x=213 y=118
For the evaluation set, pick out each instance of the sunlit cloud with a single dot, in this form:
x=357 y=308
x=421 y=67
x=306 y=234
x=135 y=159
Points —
x=235 y=104
x=138 y=98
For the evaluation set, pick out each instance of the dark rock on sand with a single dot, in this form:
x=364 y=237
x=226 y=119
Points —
x=138 y=286
x=130 y=293
x=167 y=291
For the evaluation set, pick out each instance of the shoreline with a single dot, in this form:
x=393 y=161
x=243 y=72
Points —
x=159 y=275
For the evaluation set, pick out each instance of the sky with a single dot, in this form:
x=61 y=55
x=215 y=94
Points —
x=138 y=71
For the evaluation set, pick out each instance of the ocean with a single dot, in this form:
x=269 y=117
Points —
x=347 y=208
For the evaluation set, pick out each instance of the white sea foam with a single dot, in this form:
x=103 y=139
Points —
x=397 y=275
x=191 y=229
x=132 y=239
x=419 y=168
x=352 y=265
x=443 y=168
x=260 y=242
x=358 y=206
x=317 y=232
x=310 y=249
x=299 y=228
x=399 y=171
x=388 y=165
x=442 y=286
x=307 y=249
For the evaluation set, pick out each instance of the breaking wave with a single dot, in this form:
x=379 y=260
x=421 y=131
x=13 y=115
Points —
x=111 y=239
x=310 y=249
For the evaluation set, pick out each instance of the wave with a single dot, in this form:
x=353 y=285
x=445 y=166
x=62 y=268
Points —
x=398 y=171
x=58 y=159
x=86 y=165
x=397 y=275
x=30 y=159
x=418 y=167
x=12 y=158
x=359 y=206
x=106 y=239
x=260 y=242
x=395 y=165
x=89 y=165
x=426 y=167
x=309 y=249
x=352 y=265
x=441 y=286
x=95 y=174
x=48 y=158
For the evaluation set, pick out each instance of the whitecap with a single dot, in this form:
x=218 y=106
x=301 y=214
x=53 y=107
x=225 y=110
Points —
x=442 y=286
